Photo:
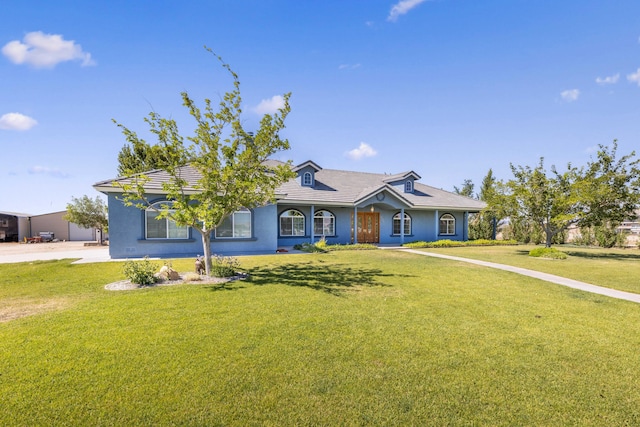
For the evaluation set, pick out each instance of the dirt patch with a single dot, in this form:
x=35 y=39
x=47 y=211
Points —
x=13 y=309
x=126 y=285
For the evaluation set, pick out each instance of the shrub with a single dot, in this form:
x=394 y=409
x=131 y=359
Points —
x=222 y=266
x=456 y=243
x=321 y=244
x=141 y=272
x=551 y=253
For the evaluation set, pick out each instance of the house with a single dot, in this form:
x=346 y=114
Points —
x=339 y=206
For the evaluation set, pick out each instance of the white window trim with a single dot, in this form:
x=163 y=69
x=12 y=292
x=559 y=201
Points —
x=304 y=223
x=243 y=211
x=167 y=221
x=408 y=187
x=307 y=179
x=333 y=217
x=450 y=220
x=407 y=221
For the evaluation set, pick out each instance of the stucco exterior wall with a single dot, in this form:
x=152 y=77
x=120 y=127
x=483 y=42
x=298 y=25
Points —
x=127 y=236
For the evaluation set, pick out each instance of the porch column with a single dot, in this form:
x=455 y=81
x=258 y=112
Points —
x=437 y=225
x=311 y=221
x=465 y=225
x=355 y=224
x=402 y=226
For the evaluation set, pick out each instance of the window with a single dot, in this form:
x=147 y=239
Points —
x=163 y=228
x=447 y=224
x=324 y=224
x=291 y=223
x=235 y=226
x=408 y=187
x=397 y=226
x=307 y=179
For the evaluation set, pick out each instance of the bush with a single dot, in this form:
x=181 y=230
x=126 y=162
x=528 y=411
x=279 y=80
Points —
x=191 y=277
x=141 y=272
x=456 y=243
x=222 y=266
x=551 y=253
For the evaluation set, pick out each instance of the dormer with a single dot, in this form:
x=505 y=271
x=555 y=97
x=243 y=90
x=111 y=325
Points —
x=307 y=173
x=404 y=181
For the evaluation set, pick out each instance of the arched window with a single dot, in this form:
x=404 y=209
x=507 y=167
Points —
x=397 y=224
x=307 y=179
x=408 y=187
x=447 y=224
x=162 y=228
x=235 y=226
x=324 y=224
x=291 y=223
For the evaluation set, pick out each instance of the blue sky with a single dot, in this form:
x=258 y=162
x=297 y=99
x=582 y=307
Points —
x=447 y=88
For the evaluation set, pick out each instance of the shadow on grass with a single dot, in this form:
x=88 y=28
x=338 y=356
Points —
x=333 y=279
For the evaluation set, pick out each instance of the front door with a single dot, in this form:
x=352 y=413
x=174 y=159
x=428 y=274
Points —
x=368 y=227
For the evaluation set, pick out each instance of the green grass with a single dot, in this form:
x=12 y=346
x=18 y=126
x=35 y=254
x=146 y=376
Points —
x=341 y=338
x=611 y=268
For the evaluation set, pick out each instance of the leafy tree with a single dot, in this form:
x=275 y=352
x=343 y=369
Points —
x=466 y=190
x=227 y=163
x=140 y=157
x=482 y=224
x=88 y=213
x=610 y=190
x=603 y=194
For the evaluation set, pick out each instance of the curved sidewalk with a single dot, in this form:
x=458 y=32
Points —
x=628 y=296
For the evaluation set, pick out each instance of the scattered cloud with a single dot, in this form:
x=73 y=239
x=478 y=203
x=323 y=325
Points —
x=401 y=8
x=609 y=80
x=45 y=51
x=349 y=66
x=16 y=121
x=363 y=150
x=42 y=170
x=634 y=77
x=270 y=106
x=570 y=95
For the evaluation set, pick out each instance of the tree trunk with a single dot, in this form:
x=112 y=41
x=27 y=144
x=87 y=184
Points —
x=206 y=246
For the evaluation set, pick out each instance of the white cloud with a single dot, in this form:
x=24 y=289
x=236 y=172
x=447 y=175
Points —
x=348 y=66
x=56 y=173
x=270 y=106
x=16 y=121
x=402 y=7
x=634 y=77
x=45 y=51
x=363 y=150
x=609 y=80
x=570 y=95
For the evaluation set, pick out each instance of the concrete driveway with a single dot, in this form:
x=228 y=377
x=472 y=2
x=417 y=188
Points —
x=26 y=252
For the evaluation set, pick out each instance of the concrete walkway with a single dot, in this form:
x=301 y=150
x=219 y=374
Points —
x=628 y=296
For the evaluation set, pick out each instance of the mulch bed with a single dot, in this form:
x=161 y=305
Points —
x=126 y=285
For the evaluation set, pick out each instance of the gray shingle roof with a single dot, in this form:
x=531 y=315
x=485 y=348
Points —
x=332 y=187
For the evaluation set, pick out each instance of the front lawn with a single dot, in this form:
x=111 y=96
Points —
x=340 y=338
x=611 y=268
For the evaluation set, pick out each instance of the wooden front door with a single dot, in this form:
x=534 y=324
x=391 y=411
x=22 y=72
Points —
x=368 y=227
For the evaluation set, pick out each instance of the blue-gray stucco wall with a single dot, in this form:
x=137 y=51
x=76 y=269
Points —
x=127 y=236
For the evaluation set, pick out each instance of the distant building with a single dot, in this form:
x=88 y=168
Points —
x=15 y=227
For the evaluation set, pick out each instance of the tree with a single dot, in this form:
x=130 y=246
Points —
x=466 y=190
x=228 y=164
x=610 y=190
x=88 y=213
x=604 y=193
x=140 y=157
x=483 y=224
